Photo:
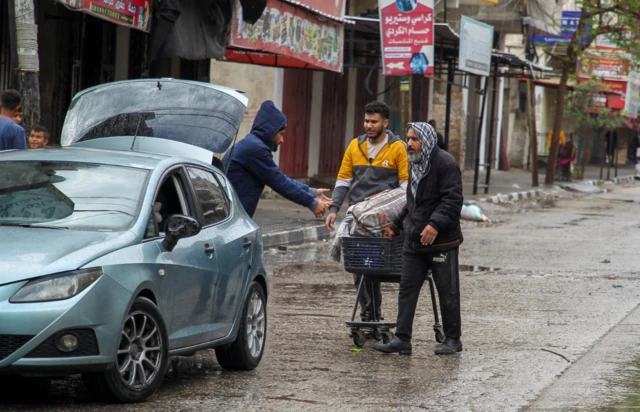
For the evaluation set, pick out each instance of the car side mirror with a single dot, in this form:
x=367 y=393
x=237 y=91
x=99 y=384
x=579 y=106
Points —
x=179 y=227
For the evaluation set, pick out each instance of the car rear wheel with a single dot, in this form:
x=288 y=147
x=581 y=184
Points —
x=246 y=351
x=141 y=361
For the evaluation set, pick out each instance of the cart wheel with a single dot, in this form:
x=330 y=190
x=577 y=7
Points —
x=440 y=336
x=387 y=337
x=359 y=338
x=377 y=334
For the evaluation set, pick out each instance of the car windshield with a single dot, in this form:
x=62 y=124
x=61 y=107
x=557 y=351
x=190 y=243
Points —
x=70 y=195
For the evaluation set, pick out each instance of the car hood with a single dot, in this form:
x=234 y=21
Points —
x=199 y=114
x=31 y=252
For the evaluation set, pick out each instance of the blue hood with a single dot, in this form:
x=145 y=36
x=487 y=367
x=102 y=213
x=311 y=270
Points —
x=269 y=121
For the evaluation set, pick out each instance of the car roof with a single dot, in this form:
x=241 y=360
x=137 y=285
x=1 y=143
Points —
x=98 y=156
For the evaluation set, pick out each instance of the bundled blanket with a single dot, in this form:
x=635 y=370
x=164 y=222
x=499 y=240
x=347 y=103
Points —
x=369 y=217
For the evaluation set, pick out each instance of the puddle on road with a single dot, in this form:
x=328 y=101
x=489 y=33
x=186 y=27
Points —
x=630 y=380
x=474 y=269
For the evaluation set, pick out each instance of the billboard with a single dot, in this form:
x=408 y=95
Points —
x=292 y=32
x=406 y=34
x=476 y=43
x=604 y=68
x=132 y=13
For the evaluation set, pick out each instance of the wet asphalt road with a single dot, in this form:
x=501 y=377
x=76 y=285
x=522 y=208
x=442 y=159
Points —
x=557 y=327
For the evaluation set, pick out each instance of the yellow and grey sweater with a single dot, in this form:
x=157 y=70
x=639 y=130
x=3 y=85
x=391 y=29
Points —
x=363 y=177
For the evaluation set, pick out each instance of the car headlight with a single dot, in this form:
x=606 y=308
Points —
x=56 y=287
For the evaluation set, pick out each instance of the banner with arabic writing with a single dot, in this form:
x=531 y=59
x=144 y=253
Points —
x=293 y=32
x=131 y=13
x=406 y=32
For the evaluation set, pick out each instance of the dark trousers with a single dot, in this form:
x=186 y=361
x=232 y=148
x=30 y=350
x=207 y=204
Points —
x=370 y=292
x=444 y=268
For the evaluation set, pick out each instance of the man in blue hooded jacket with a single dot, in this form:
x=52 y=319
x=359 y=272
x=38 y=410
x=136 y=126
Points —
x=250 y=165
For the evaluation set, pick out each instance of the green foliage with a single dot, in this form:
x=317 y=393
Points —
x=581 y=105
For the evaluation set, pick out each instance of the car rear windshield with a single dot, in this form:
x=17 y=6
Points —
x=70 y=195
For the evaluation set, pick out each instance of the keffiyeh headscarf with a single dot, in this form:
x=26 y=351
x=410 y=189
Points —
x=428 y=139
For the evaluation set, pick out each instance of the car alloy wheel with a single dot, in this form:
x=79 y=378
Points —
x=245 y=353
x=256 y=325
x=140 y=352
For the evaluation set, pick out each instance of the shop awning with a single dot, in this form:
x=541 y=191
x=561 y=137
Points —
x=131 y=13
x=303 y=34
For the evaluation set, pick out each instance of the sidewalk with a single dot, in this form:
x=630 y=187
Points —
x=283 y=222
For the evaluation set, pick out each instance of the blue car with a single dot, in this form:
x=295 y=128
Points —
x=126 y=246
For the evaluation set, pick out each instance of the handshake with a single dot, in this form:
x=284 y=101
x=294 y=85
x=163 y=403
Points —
x=323 y=202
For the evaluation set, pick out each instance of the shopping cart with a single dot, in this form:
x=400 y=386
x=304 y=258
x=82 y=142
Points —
x=378 y=260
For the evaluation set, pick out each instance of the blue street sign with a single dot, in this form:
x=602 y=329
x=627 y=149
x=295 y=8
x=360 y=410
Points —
x=570 y=20
x=550 y=40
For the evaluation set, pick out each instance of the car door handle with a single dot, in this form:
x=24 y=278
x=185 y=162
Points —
x=247 y=243
x=208 y=249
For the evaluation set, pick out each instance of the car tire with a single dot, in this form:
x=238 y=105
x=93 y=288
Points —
x=141 y=361
x=246 y=351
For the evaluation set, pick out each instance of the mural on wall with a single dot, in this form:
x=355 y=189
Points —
x=293 y=32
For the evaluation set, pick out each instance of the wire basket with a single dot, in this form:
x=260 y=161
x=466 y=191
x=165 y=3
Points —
x=373 y=255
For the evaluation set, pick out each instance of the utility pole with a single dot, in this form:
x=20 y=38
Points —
x=531 y=103
x=25 y=61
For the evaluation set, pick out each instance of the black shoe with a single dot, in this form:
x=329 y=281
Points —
x=395 y=346
x=449 y=347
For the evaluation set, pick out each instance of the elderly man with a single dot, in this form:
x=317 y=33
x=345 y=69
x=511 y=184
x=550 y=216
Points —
x=431 y=223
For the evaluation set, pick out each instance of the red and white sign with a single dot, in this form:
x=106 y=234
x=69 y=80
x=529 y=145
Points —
x=602 y=68
x=131 y=13
x=292 y=32
x=406 y=31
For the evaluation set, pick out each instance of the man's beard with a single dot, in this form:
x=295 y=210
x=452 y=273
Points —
x=378 y=134
x=415 y=157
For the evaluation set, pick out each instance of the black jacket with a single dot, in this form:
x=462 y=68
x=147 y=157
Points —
x=438 y=202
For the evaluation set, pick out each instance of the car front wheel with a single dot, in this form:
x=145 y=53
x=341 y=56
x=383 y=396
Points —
x=141 y=361
x=246 y=351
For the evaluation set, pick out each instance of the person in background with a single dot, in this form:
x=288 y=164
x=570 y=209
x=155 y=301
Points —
x=12 y=136
x=18 y=116
x=39 y=137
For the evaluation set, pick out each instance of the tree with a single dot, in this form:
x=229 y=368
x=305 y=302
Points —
x=617 y=19
x=582 y=104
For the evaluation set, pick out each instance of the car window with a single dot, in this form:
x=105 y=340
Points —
x=71 y=195
x=210 y=196
x=170 y=200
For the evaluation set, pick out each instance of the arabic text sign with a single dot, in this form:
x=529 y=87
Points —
x=406 y=31
x=132 y=13
x=293 y=32
x=607 y=69
x=476 y=43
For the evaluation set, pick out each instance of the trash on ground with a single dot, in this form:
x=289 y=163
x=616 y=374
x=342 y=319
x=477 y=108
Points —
x=473 y=213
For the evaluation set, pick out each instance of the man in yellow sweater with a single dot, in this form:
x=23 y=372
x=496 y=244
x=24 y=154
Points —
x=373 y=162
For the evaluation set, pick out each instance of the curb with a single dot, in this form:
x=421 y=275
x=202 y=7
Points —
x=295 y=236
x=516 y=196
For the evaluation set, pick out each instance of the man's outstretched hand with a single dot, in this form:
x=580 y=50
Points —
x=320 y=195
